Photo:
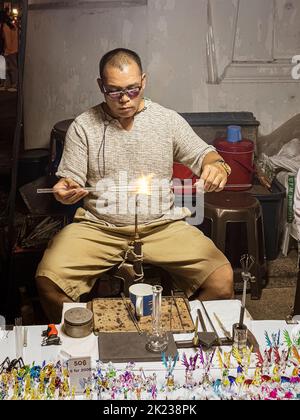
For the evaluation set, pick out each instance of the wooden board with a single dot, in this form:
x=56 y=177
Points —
x=110 y=315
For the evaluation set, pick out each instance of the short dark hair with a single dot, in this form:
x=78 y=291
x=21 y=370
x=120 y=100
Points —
x=118 y=58
x=5 y=18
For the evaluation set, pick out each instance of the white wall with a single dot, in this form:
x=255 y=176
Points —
x=64 y=47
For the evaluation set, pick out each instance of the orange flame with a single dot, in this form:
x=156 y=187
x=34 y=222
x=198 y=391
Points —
x=143 y=185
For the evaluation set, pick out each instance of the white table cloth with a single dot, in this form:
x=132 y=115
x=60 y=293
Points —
x=228 y=312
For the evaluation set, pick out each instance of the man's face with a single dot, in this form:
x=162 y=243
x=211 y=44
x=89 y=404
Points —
x=116 y=80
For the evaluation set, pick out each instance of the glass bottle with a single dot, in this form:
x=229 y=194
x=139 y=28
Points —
x=157 y=340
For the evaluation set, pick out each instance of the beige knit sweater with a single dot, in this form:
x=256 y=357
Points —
x=112 y=162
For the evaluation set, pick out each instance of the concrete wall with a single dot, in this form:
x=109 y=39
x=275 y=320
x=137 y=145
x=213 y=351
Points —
x=64 y=46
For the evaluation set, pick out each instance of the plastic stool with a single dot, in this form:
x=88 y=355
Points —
x=239 y=207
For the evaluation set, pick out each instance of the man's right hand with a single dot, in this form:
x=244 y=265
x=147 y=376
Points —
x=68 y=192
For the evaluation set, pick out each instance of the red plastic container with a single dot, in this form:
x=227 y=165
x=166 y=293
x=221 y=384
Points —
x=240 y=157
x=182 y=172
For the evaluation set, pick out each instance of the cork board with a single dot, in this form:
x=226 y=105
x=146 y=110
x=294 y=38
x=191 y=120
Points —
x=110 y=315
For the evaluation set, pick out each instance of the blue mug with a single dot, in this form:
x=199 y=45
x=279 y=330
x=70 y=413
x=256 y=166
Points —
x=141 y=297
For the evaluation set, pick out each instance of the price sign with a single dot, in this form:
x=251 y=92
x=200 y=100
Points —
x=80 y=372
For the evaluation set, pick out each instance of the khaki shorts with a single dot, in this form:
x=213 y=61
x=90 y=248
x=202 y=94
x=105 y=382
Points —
x=83 y=250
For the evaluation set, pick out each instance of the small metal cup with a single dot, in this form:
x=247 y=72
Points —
x=78 y=322
x=239 y=336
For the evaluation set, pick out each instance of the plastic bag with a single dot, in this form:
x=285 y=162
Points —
x=285 y=166
x=288 y=157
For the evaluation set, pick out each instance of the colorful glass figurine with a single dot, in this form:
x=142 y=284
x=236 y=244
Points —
x=190 y=366
x=170 y=363
x=269 y=380
x=206 y=359
x=224 y=366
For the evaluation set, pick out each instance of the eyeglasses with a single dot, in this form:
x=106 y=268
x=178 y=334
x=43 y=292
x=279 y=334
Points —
x=116 y=95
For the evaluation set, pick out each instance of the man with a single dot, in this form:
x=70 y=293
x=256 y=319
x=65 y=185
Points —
x=11 y=44
x=125 y=138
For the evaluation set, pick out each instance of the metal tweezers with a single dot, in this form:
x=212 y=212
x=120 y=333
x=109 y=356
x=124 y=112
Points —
x=131 y=314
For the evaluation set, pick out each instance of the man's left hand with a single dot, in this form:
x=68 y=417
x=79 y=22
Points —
x=214 y=177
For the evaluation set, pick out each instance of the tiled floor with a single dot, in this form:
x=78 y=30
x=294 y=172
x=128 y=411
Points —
x=274 y=304
x=279 y=295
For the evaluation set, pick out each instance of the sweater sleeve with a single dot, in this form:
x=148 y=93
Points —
x=74 y=161
x=188 y=148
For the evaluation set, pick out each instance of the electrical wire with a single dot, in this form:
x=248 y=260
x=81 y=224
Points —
x=102 y=147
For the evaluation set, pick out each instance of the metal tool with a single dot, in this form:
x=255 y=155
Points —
x=206 y=338
x=137 y=251
x=247 y=262
x=188 y=344
x=201 y=319
x=131 y=314
x=177 y=308
x=196 y=340
x=239 y=336
x=221 y=325
x=252 y=341
x=211 y=324
x=51 y=337
x=19 y=337
x=170 y=314
x=25 y=337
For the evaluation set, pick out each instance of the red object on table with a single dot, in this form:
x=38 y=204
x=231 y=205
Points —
x=240 y=157
x=51 y=336
x=51 y=330
x=182 y=172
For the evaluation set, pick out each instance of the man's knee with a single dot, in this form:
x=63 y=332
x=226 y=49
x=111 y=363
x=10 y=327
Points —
x=47 y=289
x=45 y=285
x=220 y=283
x=52 y=298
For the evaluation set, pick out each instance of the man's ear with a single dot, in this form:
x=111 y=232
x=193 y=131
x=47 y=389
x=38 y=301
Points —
x=144 y=80
x=100 y=84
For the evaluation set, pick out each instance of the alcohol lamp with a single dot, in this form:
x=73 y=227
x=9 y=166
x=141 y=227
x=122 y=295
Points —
x=78 y=322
